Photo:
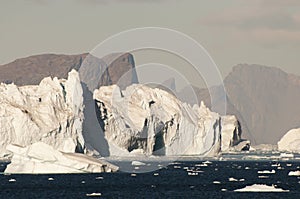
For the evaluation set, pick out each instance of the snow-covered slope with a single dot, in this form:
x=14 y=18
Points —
x=290 y=141
x=51 y=112
x=152 y=121
x=42 y=158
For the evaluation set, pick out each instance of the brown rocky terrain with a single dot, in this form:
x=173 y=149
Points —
x=31 y=70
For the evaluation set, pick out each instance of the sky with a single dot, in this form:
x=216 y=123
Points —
x=263 y=32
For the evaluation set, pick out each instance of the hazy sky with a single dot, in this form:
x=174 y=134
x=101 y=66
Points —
x=233 y=31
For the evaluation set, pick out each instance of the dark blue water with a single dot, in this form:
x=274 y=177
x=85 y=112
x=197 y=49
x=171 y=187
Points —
x=172 y=181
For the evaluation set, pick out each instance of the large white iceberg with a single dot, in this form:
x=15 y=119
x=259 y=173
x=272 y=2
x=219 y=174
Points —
x=51 y=112
x=41 y=158
x=153 y=121
x=290 y=141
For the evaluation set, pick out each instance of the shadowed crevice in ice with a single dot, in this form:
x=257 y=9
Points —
x=92 y=131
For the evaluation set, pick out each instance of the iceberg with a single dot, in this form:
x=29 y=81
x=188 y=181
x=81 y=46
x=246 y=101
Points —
x=51 y=112
x=154 y=122
x=290 y=142
x=41 y=158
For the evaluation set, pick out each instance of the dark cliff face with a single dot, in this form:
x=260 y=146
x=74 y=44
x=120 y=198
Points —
x=264 y=99
x=31 y=70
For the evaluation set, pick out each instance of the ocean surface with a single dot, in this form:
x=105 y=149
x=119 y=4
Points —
x=179 y=179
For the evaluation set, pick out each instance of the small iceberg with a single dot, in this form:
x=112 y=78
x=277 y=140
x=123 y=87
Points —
x=93 y=194
x=287 y=155
x=294 y=173
x=192 y=173
x=266 y=172
x=260 y=188
x=232 y=180
x=41 y=158
x=137 y=163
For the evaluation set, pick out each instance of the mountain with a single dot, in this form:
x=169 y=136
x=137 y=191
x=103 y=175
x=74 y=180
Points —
x=264 y=99
x=267 y=98
x=31 y=70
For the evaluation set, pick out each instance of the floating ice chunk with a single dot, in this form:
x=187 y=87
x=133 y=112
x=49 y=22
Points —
x=287 y=155
x=42 y=158
x=192 y=173
x=235 y=180
x=289 y=165
x=232 y=180
x=263 y=177
x=12 y=180
x=275 y=165
x=137 y=163
x=201 y=165
x=260 y=188
x=133 y=174
x=294 y=173
x=93 y=194
x=216 y=182
x=267 y=172
x=99 y=178
x=207 y=162
x=50 y=179
x=156 y=174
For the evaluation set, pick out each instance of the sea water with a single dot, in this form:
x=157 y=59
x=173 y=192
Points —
x=179 y=179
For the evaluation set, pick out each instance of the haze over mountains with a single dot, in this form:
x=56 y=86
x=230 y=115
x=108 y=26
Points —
x=264 y=99
x=267 y=98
